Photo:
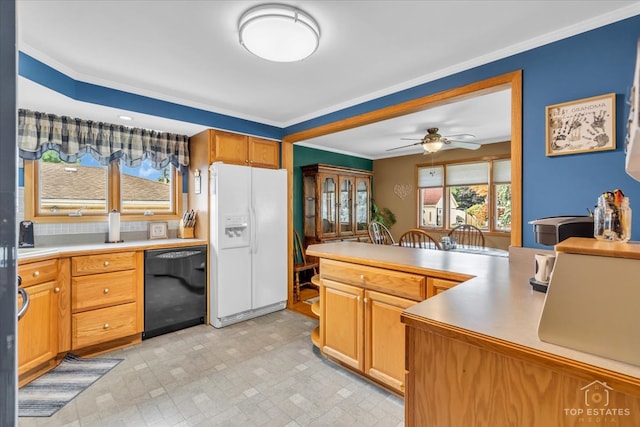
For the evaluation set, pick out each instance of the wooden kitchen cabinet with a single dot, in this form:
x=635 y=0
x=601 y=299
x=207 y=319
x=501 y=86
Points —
x=360 y=318
x=241 y=149
x=343 y=325
x=42 y=333
x=107 y=301
x=436 y=286
x=385 y=335
x=337 y=203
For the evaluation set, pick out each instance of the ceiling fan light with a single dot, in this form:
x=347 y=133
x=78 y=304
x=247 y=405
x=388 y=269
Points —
x=432 y=146
x=279 y=33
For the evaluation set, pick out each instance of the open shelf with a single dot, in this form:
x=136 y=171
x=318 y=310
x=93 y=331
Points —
x=315 y=337
x=315 y=308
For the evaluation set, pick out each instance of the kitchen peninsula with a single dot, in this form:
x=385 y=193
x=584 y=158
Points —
x=473 y=356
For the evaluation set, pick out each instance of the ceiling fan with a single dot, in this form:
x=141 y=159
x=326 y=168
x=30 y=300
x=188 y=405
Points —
x=433 y=141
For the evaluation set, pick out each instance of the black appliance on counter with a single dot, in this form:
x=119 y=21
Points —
x=175 y=289
x=553 y=230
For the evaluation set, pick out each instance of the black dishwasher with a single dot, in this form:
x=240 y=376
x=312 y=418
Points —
x=175 y=289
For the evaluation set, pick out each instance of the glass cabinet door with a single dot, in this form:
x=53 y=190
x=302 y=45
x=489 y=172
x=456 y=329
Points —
x=362 y=204
x=346 y=205
x=328 y=206
x=309 y=205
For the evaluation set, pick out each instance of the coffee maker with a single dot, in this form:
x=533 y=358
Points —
x=550 y=231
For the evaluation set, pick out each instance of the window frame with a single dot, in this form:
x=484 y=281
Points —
x=32 y=194
x=491 y=196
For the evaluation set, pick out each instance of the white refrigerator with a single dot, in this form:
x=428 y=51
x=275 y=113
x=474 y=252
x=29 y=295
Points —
x=248 y=242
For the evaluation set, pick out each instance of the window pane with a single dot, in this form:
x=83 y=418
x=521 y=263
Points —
x=468 y=205
x=147 y=189
x=66 y=188
x=503 y=207
x=431 y=207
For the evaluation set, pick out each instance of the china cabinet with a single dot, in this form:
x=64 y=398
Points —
x=337 y=203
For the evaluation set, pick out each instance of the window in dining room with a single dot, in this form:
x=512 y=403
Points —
x=477 y=193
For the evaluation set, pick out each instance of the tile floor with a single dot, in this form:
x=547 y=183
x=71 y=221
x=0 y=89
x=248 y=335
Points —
x=262 y=372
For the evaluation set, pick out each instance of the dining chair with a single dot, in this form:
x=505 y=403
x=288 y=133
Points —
x=379 y=234
x=418 y=238
x=467 y=236
x=301 y=267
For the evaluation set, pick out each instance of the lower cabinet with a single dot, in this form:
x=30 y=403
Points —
x=41 y=331
x=107 y=298
x=384 y=340
x=362 y=329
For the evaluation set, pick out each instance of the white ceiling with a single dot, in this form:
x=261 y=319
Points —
x=188 y=52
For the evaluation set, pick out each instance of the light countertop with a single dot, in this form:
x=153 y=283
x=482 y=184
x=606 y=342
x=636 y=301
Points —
x=29 y=254
x=496 y=302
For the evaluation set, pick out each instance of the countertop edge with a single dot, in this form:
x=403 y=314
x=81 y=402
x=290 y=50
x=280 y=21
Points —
x=97 y=248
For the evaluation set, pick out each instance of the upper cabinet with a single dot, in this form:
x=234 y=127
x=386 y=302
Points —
x=240 y=149
x=337 y=203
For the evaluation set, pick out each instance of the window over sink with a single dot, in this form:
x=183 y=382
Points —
x=86 y=189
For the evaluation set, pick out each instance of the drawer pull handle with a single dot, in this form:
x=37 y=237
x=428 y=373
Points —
x=366 y=300
x=358 y=298
x=106 y=263
x=106 y=326
x=36 y=273
x=362 y=278
x=402 y=386
x=56 y=290
x=106 y=290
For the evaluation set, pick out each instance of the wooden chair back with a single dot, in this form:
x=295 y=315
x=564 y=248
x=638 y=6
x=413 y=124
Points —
x=418 y=238
x=300 y=266
x=467 y=236
x=379 y=234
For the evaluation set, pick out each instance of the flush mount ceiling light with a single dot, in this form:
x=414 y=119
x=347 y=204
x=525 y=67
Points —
x=279 y=33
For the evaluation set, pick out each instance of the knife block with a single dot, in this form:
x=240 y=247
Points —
x=185 y=232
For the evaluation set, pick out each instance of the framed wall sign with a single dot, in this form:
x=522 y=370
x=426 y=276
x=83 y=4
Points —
x=158 y=230
x=581 y=126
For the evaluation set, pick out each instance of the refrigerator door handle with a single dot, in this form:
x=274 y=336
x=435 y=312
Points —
x=254 y=233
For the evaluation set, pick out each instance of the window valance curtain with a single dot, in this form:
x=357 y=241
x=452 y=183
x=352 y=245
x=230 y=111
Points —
x=71 y=138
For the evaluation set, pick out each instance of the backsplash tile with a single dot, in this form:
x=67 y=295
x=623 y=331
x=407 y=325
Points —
x=89 y=228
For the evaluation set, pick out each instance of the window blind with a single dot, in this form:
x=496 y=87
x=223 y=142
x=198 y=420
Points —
x=468 y=174
x=431 y=176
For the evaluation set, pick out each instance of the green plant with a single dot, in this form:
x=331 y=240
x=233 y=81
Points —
x=383 y=215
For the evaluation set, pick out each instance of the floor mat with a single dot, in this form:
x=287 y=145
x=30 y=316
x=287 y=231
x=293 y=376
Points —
x=44 y=396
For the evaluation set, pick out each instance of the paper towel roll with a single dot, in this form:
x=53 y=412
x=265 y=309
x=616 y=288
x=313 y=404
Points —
x=114 y=226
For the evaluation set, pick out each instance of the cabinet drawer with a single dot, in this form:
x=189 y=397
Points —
x=104 y=263
x=102 y=325
x=392 y=282
x=436 y=286
x=100 y=290
x=38 y=272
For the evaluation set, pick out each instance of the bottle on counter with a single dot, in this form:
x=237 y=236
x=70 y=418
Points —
x=612 y=219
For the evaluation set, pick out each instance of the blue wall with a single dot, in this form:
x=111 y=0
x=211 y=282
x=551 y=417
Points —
x=593 y=63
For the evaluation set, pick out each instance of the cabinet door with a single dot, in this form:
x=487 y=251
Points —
x=384 y=338
x=38 y=328
x=229 y=147
x=345 y=206
x=362 y=205
x=264 y=153
x=342 y=322
x=328 y=206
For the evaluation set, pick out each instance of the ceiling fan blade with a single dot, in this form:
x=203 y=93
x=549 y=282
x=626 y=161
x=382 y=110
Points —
x=460 y=136
x=463 y=144
x=405 y=146
x=412 y=139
